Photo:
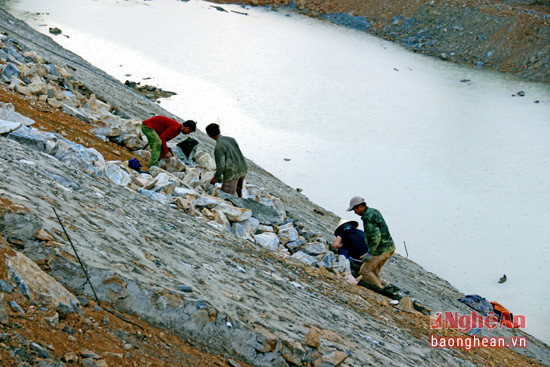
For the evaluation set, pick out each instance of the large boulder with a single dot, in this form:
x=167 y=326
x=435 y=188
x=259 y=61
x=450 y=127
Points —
x=7 y=127
x=208 y=201
x=165 y=183
x=37 y=285
x=9 y=72
x=287 y=233
x=314 y=249
x=234 y=214
x=7 y=113
x=246 y=228
x=268 y=240
x=265 y=214
x=305 y=258
x=78 y=155
x=116 y=174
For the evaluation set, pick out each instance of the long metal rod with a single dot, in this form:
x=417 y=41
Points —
x=406 y=249
x=78 y=257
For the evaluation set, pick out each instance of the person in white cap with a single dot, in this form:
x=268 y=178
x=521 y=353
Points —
x=378 y=239
x=350 y=242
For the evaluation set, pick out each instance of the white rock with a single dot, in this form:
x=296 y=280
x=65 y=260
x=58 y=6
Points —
x=264 y=228
x=217 y=225
x=37 y=86
x=256 y=192
x=143 y=154
x=171 y=165
x=92 y=104
x=116 y=174
x=341 y=264
x=221 y=218
x=134 y=142
x=191 y=179
x=7 y=127
x=144 y=180
x=268 y=240
x=23 y=90
x=315 y=248
x=288 y=233
x=165 y=183
x=305 y=258
x=155 y=171
x=184 y=192
x=161 y=198
x=234 y=214
x=205 y=160
x=14 y=83
x=78 y=155
x=246 y=228
x=54 y=102
x=208 y=201
x=76 y=112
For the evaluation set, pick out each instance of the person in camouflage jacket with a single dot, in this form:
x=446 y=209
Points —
x=379 y=241
x=231 y=165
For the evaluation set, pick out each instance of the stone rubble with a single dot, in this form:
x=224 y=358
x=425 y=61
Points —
x=171 y=181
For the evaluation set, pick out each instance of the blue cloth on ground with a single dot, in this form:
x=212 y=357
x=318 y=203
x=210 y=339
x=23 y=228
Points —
x=134 y=164
x=478 y=303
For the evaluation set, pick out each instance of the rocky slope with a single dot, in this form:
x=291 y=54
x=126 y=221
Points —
x=510 y=36
x=183 y=271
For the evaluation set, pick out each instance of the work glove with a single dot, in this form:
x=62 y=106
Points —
x=366 y=257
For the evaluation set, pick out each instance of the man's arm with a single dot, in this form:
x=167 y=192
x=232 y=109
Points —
x=219 y=156
x=166 y=135
x=372 y=233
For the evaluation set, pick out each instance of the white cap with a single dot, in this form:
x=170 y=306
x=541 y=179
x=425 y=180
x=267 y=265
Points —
x=356 y=200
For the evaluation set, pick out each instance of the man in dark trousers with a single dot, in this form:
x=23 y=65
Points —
x=230 y=163
x=350 y=242
x=378 y=239
x=160 y=129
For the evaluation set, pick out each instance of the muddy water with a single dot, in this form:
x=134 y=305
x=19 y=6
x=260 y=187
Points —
x=458 y=165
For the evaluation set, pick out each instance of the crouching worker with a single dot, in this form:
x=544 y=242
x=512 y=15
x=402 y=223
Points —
x=350 y=242
x=160 y=129
x=230 y=163
x=378 y=239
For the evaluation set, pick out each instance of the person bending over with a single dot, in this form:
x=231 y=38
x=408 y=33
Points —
x=230 y=163
x=159 y=130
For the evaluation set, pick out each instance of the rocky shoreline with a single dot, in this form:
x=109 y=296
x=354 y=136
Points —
x=162 y=249
x=507 y=36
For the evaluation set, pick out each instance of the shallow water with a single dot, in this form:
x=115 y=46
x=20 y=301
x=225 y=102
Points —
x=460 y=170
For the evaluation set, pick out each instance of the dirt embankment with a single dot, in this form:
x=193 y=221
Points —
x=507 y=36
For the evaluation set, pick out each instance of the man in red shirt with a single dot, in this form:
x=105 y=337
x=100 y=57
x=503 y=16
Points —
x=160 y=129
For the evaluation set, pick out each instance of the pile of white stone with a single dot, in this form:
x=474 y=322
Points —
x=182 y=185
x=28 y=74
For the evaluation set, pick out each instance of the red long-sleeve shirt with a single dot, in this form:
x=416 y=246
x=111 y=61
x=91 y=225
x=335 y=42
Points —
x=167 y=129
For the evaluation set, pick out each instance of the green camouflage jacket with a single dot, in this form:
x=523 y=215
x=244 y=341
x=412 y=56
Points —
x=230 y=163
x=377 y=235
